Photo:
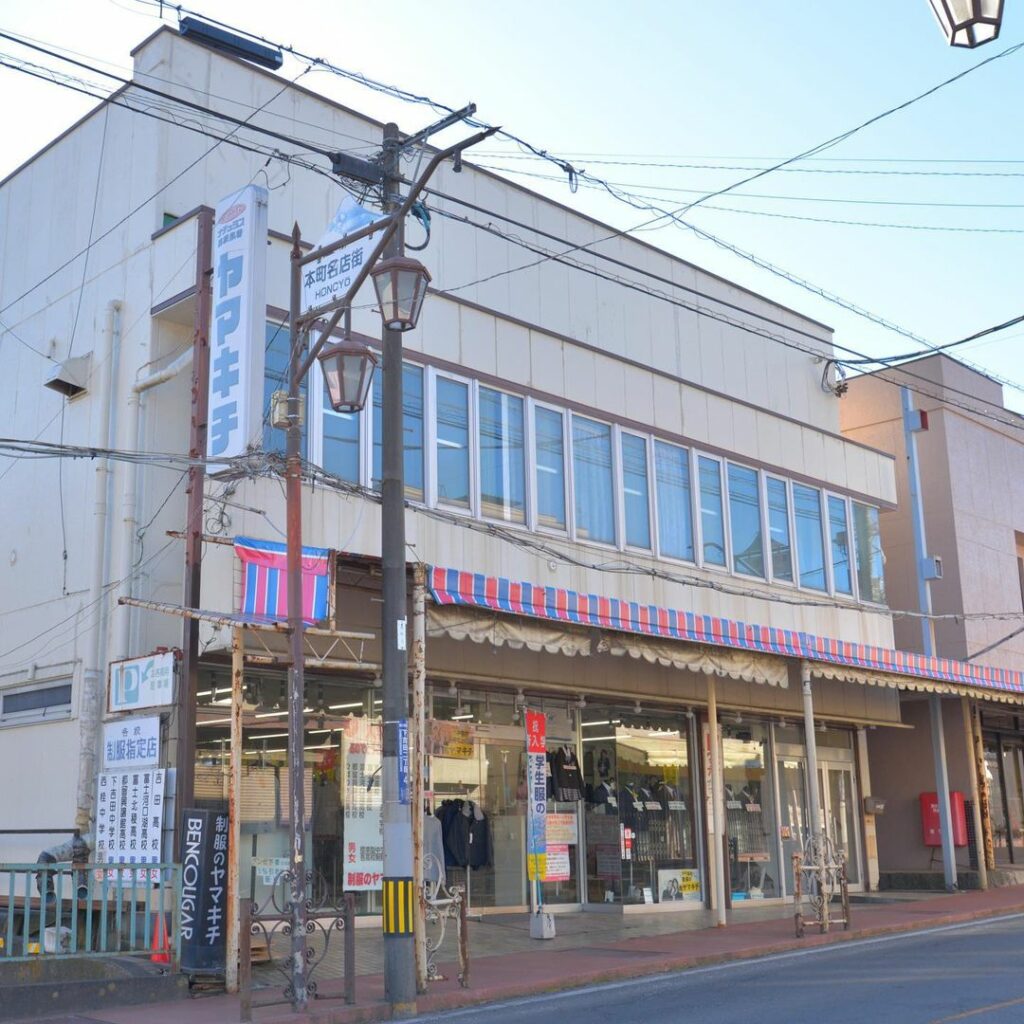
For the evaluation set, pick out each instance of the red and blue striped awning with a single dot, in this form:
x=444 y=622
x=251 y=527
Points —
x=453 y=587
x=264 y=593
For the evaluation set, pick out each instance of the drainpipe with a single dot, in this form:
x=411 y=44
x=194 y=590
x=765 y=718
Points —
x=124 y=616
x=717 y=817
x=91 y=703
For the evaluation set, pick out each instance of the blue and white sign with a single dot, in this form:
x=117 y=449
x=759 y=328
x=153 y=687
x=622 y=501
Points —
x=142 y=683
x=327 y=279
x=235 y=420
x=131 y=743
x=404 y=787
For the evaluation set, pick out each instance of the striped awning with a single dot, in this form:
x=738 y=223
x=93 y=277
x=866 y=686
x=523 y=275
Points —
x=454 y=587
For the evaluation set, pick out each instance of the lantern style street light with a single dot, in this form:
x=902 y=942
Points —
x=969 y=23
x=401 y=284
x=348 y=367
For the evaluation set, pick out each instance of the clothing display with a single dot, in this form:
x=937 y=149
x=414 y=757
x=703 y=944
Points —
x=566 y=779
x=465 y=834
x=433 y=850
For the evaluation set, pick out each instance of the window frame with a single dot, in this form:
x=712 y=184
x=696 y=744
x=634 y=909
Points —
x=574 y=533
x=826 y=543
x=430 y=438
x=618 y=432
x=760 y=489
x=533 y=522
x=34 y=716
x=840 y=595
x=861 y=599
x=503 y=520
x=695 y=456
x=791 y=524
x=694 y=508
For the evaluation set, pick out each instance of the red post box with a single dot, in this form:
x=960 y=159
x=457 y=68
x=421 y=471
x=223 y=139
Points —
x=931 y=830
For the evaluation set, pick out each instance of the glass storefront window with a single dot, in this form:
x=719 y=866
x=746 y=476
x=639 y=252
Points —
x=749 y=813
x=641 y=834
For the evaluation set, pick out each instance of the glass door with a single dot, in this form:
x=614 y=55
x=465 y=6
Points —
x=839 y=807
x=793 y=820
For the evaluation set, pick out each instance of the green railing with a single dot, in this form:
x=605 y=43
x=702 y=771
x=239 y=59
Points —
x=79 y=910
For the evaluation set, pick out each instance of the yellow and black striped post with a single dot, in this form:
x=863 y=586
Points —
x=398 y=906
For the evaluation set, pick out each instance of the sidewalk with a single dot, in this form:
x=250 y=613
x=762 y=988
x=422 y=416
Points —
x=590 y=947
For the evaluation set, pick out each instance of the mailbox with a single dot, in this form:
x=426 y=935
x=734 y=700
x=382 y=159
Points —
x=930 y=828
x=874 y=805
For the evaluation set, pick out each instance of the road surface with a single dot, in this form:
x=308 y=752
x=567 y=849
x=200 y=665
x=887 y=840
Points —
x=972 y=973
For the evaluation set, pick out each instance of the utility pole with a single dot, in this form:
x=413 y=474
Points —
x=399 y=942
x=912 y=423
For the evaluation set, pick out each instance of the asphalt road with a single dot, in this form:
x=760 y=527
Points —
x=972 y=973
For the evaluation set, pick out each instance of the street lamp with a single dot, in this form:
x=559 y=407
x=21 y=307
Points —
x=969 y=23
x=401 y=285
x=348 y=367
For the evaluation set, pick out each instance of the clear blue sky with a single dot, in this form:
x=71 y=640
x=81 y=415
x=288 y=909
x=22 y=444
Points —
x=727 y=82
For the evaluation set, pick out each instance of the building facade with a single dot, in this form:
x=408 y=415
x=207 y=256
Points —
x=970 y=458
x=627 y=489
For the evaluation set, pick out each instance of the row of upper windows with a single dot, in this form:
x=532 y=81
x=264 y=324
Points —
x=500 y=456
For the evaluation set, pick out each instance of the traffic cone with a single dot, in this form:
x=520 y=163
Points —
x=161 y=944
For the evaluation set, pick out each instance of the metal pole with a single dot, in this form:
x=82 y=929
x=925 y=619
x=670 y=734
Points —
x=399 y=954
x=296 y=673
x=811 y=743
x=911 y=424
x=419 y=680
x=184 y=788
x=717 y=801
x=972 y=769
x=234 y=804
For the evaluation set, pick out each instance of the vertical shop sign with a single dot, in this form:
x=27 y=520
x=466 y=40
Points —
x=536 y=774
x=204 y=891
x=361 y=796
x=239 y=313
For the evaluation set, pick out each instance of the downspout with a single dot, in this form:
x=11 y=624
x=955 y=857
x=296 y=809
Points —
x=93 y=689
x=122 y=638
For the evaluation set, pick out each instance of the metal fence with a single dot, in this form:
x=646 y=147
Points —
x=80 y=910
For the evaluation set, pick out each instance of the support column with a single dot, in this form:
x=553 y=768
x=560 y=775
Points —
x=912 y=423
x=717 y=817
x=985 y=791
x=234 y=924
x=972 y=771
x=419 y=681
x=870 y=830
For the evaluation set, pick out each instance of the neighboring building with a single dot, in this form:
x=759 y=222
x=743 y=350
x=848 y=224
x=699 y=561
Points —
x=971 y=459
x=648 y=447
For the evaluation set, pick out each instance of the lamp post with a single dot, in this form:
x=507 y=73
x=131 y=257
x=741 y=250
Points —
x=348 y=371
x=969 y=23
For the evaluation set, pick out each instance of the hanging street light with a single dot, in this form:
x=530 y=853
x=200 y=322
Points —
x=401 y=284
x=969 y=23
x=348 y=367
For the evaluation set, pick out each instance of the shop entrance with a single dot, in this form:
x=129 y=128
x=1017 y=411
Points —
x=837 y=792
x=1004 y=766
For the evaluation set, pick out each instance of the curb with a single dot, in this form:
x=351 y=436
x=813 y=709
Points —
x=657 y=965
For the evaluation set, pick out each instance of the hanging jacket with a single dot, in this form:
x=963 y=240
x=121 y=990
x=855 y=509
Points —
x=479 y=846
x=566 y=777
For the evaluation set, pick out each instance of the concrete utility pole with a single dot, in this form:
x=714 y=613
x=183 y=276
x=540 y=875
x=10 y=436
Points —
x=912 y=423
x=399 y=951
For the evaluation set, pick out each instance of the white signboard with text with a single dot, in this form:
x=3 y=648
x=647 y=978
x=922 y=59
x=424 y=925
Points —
x=129 y=816
x=131 y=743
x=237 y=346
x=329 y=278
x=139 y=683
x=361 y=796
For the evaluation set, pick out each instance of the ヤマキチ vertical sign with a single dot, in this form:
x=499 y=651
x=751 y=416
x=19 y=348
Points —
x=204 y=888
x=237 y=328
x=537 y=782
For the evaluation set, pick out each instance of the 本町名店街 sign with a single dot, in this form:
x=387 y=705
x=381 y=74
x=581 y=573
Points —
x=131 y=743
x=141 y=683
x=237 y=342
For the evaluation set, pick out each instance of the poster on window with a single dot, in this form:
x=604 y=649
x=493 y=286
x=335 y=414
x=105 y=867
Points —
x=537 y=805
x=361 y=801
x=562 y=829
x=129 y=818
x=451 y=739
x=679 y=885
x=557 y=868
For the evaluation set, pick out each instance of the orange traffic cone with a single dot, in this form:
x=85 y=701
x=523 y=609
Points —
x=161 y=944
